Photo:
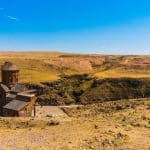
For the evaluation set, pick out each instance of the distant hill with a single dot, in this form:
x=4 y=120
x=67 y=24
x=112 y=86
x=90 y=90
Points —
x=47 y=66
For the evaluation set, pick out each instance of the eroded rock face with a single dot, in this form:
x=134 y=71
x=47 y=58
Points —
x=143 y=62
x=88 y=62
x=77 y=64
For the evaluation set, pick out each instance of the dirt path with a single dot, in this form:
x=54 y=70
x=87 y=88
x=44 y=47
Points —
x=54 y=111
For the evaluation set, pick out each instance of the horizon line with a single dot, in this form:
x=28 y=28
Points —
x=67 y=52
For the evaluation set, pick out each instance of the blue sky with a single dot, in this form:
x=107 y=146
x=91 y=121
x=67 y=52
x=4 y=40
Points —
x=86 y=26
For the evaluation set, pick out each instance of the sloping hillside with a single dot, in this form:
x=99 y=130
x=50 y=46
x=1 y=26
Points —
x=46 y=66
x=83 y=89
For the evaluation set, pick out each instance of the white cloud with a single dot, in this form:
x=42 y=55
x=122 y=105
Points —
x=8 y=16
x=12 y=18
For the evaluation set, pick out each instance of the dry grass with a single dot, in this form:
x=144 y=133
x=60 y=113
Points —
x=119 y=73
x=123 y=125
x=47 y=66
x=37 y=76
x=32 y=67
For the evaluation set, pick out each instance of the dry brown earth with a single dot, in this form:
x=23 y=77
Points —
x=113 y=125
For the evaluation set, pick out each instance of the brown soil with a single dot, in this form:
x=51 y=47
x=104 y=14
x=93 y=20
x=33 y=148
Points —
x=113 y=125
x=77 y=63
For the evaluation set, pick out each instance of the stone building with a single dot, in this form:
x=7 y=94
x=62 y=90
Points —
x=10 y=73
x=15 y=98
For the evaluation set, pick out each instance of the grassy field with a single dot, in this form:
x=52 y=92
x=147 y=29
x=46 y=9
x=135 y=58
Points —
x=48 y=66
x=32 y=67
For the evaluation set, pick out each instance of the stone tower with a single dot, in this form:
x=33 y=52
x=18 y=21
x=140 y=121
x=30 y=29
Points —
x=10 y=73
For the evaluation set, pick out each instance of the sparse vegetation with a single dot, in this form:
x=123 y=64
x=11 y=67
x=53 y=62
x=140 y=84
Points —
x=46 y=66
x=95 y=126
x=84 y=89
x=112 y=117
